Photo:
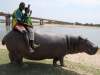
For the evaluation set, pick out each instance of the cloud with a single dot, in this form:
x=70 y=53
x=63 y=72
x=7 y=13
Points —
x=69 y=10
x=81 y=2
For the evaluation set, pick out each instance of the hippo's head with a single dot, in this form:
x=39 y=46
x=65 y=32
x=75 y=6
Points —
x=87 y=46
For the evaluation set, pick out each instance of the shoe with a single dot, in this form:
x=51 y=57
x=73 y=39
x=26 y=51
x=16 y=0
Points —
x=31 y=50
x=33 y=45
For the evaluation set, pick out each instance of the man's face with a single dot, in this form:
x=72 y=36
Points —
x=22 y=6
x=27 y=11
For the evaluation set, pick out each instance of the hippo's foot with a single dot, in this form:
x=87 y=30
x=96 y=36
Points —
x=15 y=59
x=16 y=63
x=55 y=65
x=61 y=62
x=55 y=62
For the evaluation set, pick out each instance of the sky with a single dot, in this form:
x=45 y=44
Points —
x=83 y=11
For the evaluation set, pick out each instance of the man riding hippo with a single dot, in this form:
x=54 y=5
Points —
x=22 y=23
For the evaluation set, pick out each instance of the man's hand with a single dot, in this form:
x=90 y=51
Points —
x=30 y=12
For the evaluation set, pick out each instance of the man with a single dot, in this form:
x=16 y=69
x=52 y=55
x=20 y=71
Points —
x=28 y=22
x=18 y=14
x=17 y=23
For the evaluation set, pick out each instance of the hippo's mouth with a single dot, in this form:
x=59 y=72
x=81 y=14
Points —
x=93 y=51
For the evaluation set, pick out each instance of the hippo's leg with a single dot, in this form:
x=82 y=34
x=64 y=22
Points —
x=11 y=57
x=15 y=58
x=61 y=61
x=55 y=61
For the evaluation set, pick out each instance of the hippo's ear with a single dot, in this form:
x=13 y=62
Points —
x=80 y=38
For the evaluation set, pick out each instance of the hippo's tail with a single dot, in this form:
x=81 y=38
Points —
x=4 y=40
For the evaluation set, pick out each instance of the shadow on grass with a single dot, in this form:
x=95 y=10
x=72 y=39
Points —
x=34 y=68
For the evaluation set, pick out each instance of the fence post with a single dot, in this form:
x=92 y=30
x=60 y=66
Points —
x=41 y=21
x=8 y=27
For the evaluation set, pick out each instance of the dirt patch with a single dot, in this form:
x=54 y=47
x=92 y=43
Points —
x=83 y=58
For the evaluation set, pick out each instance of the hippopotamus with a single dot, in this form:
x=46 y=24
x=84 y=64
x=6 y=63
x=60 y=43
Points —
x=51 y=47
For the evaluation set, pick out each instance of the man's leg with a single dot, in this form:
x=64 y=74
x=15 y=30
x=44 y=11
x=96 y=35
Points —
x=27 y=42
x=31 y=37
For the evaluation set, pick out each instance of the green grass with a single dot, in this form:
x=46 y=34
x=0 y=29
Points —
x=43 y=67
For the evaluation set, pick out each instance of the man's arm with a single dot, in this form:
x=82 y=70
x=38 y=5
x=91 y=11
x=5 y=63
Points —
x=19 y=16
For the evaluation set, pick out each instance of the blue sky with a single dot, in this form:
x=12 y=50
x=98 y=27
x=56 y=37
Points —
x=84 y=11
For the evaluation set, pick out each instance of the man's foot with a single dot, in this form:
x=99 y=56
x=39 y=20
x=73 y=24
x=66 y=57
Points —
x=31 y=50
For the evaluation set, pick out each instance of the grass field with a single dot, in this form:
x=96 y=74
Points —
x=43 y=67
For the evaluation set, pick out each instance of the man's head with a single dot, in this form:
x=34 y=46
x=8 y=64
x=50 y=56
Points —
x=22 y=6
x=27 y=10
